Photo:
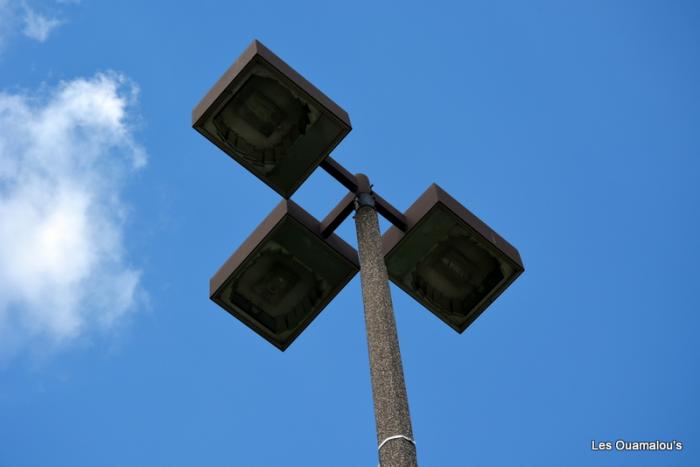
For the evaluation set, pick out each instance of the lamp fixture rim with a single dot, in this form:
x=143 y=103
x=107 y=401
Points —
x=286 y=209
x=433 y=198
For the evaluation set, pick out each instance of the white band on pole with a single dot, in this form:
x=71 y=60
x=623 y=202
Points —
x=394 y=437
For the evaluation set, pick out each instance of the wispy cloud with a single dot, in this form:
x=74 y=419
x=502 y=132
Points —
x=63 y=160
x=38 y=26
x=25 y=17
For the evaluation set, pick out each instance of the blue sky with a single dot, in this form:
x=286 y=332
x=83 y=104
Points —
x=569 y=127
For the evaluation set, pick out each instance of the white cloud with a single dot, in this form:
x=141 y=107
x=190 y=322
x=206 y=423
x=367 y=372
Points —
x=38 y=26
x=20 y=16
x=63 y=160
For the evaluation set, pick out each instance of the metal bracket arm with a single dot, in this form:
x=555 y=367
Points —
x=340 y=212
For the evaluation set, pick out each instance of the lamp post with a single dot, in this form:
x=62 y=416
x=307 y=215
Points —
x=269 y=119
x=394 y=431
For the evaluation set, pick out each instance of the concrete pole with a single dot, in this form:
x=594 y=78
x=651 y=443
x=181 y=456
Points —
x=394 y=432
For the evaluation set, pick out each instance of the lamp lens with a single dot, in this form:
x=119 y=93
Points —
x=456 y=274
x=277 y=289
x=262 y=121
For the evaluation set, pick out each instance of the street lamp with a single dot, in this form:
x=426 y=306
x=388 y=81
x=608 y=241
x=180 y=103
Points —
x=271 y=120
x=449 y=260
x=280 y=127
x=283 y=275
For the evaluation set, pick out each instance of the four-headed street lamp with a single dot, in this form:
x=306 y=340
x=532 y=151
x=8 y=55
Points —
x=268 y=118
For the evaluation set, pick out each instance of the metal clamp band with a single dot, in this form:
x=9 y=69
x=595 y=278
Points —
x=391 y=438
x=364 y=199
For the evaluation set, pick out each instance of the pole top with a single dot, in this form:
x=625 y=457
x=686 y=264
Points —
x=364 y=197
x=363 y=185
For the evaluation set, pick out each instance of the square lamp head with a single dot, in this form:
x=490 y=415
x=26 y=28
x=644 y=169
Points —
x=449 y=260
x=283 y=275
x=271 y=120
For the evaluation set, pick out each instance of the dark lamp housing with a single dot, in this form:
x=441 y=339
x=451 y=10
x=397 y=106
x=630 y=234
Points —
x=449 y=260
x=270 y=119
x=283 y=275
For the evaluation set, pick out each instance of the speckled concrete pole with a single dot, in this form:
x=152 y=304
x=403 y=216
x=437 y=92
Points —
x=388 y=387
